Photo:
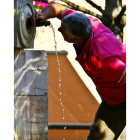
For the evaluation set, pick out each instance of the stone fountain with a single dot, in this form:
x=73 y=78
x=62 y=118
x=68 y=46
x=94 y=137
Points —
x=30 y=78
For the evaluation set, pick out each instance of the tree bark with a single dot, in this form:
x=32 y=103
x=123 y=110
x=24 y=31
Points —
x=112 y=10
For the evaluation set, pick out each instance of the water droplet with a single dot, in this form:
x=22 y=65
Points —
x=60 y=99
x=62 y=112
x=63 y=139
x=61 y=103
x=63 y=118
x=64 y=127
x=59 y=79
x=63 y=109
x=60 y=93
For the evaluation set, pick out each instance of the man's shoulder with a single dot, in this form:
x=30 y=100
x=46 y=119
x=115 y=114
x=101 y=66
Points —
x=68 y=12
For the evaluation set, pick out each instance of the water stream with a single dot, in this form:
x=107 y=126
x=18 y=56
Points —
x=59 y=70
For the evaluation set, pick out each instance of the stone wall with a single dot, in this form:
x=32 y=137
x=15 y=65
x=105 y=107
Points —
x=30 y=95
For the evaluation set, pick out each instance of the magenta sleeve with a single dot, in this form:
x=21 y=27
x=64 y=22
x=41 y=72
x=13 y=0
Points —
x=111 y=69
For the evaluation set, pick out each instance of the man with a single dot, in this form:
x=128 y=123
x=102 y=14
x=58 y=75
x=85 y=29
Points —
x=103 y=57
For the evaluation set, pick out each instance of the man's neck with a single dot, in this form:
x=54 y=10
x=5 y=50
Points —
x=80 y=45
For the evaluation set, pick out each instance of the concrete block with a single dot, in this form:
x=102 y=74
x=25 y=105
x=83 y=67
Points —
x=31 y=72
x=39 y=128
x=31 y=117
x=40 y=137
x=39 y=109
x=22 y=117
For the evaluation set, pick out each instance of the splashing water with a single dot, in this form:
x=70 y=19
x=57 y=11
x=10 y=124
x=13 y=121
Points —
x=51 y=26
x=59 y=70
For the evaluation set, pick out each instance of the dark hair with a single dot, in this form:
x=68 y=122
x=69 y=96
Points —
x=79 y=25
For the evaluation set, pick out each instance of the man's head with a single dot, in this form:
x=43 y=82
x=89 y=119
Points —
x=76 y=27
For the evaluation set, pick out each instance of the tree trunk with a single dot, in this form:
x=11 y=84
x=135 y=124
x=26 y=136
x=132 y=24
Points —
x=112 y=10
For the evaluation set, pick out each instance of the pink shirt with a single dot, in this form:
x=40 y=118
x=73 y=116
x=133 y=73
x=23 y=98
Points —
x=104 y=60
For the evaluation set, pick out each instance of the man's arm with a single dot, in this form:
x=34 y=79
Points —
x=51 y=11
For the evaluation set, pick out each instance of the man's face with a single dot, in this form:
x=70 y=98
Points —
x=67 y=37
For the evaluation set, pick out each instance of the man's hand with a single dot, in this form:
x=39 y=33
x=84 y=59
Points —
x=51 y=11
x=37 y=15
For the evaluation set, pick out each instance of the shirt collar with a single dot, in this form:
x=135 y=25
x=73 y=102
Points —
x=82 y=55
